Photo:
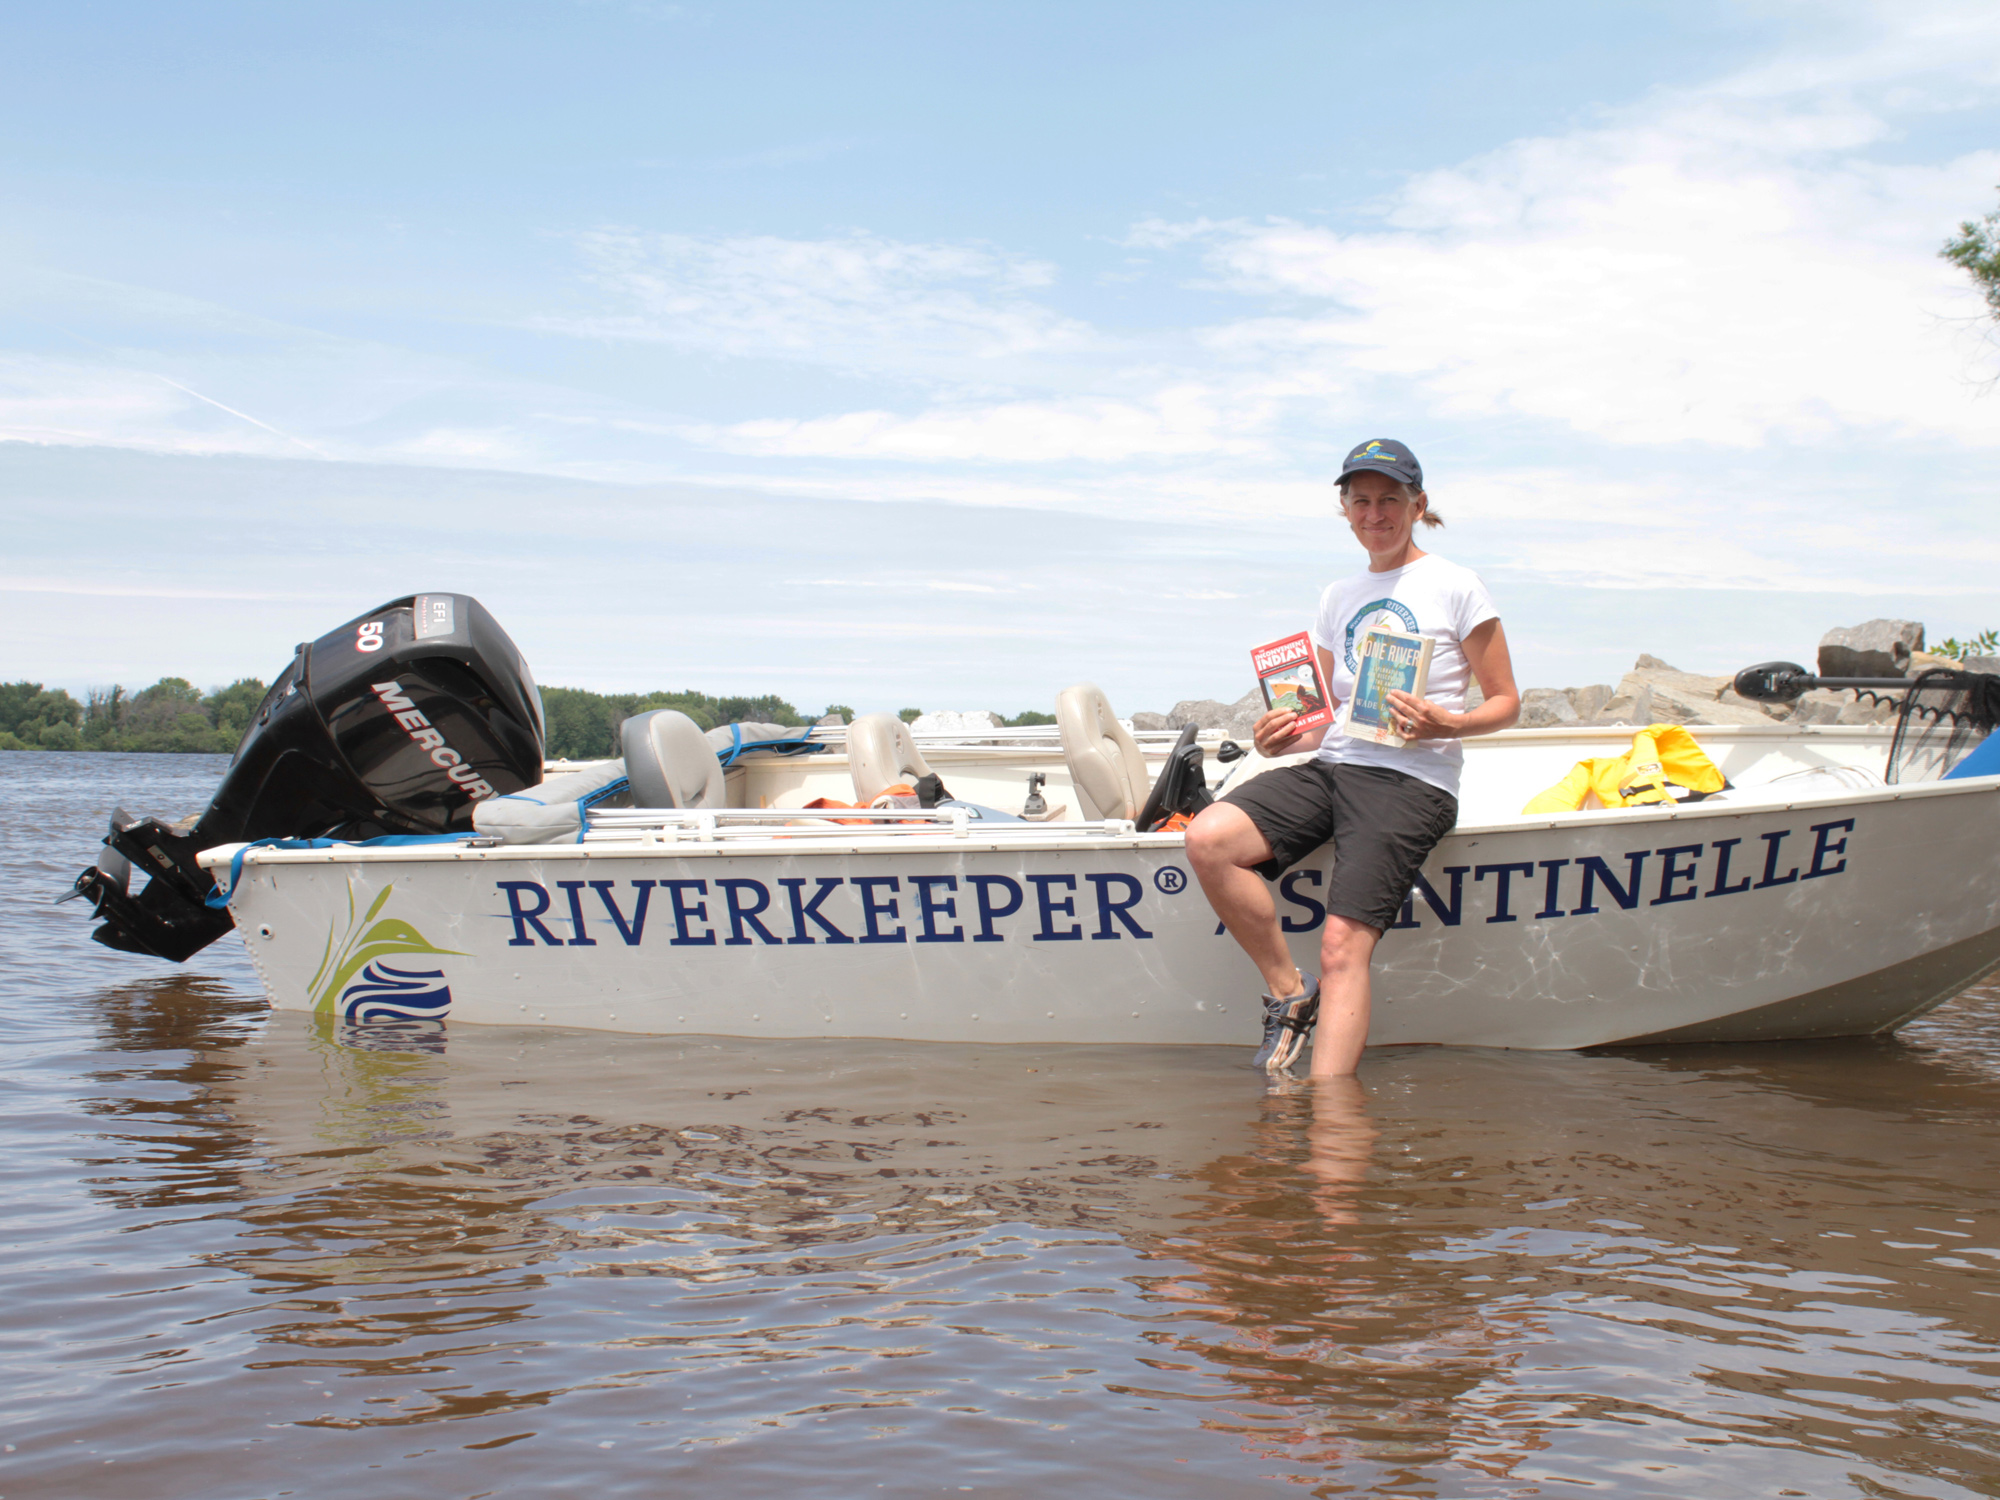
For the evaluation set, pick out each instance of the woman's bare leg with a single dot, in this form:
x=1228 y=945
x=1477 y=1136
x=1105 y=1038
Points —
x=1344 y=999
x=1223 y=845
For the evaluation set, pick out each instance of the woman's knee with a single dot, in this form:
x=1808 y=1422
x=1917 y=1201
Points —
x=1219 y=837
x=1346 y=945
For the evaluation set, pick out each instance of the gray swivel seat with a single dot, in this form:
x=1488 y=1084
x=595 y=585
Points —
x=670 y=762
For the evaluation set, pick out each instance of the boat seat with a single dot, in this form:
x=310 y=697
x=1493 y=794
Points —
x=670 y=762
x=1105 y=764
x=880 y=753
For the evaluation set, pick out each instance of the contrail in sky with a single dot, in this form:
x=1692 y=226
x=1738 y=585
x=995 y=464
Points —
x=189 y=390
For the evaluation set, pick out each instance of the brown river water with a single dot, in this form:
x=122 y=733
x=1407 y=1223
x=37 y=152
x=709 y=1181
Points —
x=247 y=1257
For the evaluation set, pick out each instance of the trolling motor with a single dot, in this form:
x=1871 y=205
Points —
x=399 y=721
x=1941 y=714
x=1786 y=681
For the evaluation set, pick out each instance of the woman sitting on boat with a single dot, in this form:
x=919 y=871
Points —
x=1383 y=807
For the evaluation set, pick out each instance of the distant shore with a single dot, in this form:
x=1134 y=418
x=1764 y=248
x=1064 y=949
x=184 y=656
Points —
x=173 y=717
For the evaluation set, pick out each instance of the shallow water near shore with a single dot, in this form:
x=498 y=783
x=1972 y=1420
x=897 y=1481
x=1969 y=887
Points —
x=251 y=1255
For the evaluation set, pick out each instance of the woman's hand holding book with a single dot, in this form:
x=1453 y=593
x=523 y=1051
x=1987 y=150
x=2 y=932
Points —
x=1421 y=719
x=1275 y=735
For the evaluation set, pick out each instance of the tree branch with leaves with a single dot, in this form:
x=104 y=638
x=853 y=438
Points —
x=1975 y=249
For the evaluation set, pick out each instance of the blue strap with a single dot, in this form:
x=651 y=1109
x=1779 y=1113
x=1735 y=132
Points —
x=220 y=899
x=585 y=803
x=803 y=744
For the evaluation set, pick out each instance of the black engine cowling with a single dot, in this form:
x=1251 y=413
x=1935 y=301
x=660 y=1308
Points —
x=399 y=721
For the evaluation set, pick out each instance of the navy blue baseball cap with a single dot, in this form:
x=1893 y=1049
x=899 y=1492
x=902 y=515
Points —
x=1384 y=456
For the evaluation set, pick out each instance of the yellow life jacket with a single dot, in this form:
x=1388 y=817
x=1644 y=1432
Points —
x=1663 y=756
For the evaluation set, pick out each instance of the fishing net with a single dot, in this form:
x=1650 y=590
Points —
x=1944 y=717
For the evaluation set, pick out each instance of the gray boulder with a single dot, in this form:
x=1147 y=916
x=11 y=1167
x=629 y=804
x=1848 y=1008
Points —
x=1699 y=700
x=1981 y=664
x=1655 y=693
x=1732 y=698
x=1588 y=701
x=1826 y=706
x=1819 y=707
x=1546 y=708
x=1232 y=719
x=1631 y=704
x=1144 y=720
x=1206 y=712
x=1878 y=648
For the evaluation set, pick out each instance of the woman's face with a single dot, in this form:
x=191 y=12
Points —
x=1379 y=515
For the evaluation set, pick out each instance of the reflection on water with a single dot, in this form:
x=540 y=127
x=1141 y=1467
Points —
x=254 y=1255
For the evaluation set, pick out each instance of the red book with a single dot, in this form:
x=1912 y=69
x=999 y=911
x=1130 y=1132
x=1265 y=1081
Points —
x=1288 y=672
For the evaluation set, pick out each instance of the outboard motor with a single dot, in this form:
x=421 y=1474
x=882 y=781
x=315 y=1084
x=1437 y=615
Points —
x=400 y=721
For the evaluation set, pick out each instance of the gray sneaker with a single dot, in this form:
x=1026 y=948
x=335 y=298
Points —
x=1286 y=1025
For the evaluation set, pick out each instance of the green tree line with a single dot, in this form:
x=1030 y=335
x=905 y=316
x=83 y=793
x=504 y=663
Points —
x=174 y=715
x=584 y=725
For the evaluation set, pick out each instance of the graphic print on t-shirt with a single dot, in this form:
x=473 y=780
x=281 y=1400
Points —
x=1389 y=612
x=1430 y=597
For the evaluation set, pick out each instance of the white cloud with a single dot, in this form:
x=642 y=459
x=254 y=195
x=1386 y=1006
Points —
x=1706 y=269
x=1181 y=421
x=857 y=299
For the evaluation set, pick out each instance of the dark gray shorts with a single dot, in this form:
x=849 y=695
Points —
x=1383 y=825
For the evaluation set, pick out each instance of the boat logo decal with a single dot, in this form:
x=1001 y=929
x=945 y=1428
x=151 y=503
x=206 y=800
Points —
x=386 y=994
x=1170 y=880
x=354 y=980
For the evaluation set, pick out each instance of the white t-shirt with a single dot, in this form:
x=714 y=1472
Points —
x=1427 y=597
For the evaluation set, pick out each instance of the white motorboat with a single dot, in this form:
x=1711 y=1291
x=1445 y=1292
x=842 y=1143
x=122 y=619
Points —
x=1810 y=900
x=1794 y=908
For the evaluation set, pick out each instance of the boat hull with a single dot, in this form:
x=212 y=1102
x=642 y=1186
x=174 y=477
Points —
x=1830 y=916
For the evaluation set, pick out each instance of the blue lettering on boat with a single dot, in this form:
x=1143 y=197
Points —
x=1102 y=906
x=1111 y=905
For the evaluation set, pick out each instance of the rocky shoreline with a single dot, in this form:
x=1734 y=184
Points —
x=1654 y=692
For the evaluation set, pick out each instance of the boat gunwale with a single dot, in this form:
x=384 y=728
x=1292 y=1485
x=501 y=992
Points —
x=1053 y=837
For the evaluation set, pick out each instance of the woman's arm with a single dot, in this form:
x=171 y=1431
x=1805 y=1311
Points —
x=1493 y=669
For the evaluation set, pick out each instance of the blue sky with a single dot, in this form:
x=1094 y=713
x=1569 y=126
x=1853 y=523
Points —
x=895 y=355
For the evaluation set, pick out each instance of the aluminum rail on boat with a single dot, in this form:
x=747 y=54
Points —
x=846 y=826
